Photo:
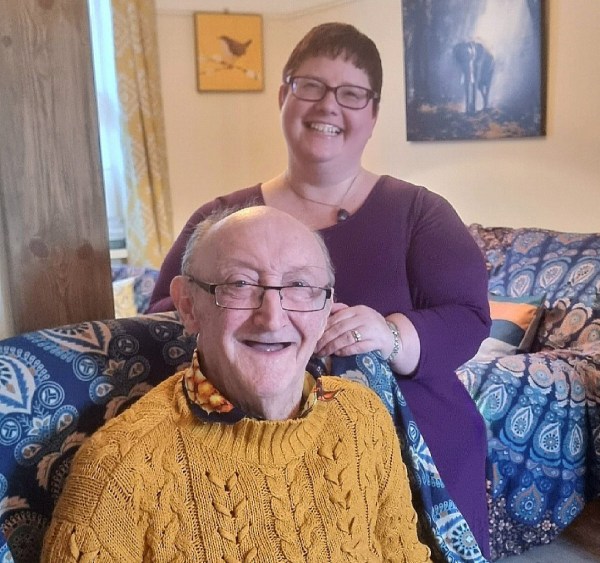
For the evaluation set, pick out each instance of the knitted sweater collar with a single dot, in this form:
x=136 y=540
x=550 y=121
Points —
x=207 y=403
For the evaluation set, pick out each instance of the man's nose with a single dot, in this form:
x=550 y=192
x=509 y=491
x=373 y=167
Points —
x=271 y=314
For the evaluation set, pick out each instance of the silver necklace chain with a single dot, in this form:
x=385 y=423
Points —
x=342 y=214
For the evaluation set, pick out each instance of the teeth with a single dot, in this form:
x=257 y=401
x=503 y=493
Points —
x=267 y=347
x=327 y=129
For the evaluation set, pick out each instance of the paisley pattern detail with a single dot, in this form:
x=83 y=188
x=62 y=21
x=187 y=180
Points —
x=143 y=284
x=26 y=531
x=540 y=464
x=552 y=274
x=56 y=388
x=542 y=409
x=67 y=342
x=17 y=385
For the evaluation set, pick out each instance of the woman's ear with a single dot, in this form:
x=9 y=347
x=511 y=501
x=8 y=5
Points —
x=181 y=293
x=283 y=91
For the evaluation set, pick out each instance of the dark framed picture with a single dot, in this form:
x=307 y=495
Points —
x=229 y=52
x=474 y=69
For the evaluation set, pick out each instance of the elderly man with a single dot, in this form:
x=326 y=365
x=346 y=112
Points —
x=244 y=456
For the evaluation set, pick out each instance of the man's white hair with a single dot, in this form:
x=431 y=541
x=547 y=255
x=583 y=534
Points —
x=202 y=229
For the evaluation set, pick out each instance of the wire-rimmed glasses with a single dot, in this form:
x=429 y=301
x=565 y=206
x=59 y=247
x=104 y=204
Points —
x=246 y=296
x=347 y=95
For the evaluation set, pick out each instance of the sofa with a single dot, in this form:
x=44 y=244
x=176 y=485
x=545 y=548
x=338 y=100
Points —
x=541 y=405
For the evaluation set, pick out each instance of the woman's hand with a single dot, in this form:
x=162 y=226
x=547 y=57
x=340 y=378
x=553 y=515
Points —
x=360 y=329
x=355 y=330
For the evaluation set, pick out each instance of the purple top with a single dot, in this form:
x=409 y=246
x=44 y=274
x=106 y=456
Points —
x=406 y=250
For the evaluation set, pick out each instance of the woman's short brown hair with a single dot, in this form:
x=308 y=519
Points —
x=334 y=40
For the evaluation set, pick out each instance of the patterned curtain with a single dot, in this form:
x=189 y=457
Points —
x=149 y=230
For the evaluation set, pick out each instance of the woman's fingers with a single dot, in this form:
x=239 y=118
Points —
x=353 y=330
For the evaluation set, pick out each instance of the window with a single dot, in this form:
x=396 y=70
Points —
x=105 y=74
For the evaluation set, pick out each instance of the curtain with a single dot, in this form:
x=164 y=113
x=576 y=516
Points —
x=149 y=230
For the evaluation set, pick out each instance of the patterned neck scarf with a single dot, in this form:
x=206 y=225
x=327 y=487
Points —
x=209 y=404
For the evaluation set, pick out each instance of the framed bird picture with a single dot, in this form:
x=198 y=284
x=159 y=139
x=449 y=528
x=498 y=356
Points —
x=229 y=52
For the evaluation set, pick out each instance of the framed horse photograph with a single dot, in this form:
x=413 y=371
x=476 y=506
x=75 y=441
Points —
x=474 y=69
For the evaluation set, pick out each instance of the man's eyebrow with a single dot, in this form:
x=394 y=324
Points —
x=304 y=270
x=301 y=270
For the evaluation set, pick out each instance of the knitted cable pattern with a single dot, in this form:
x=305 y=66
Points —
x=157 y=484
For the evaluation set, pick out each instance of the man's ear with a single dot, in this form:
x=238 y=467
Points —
x=184 y=302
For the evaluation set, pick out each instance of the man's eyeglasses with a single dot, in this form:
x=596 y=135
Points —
x=244 y=295
x=347 y=95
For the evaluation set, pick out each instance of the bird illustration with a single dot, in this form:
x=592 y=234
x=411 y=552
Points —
x=232 y=49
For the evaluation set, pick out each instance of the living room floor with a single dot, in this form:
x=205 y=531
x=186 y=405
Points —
x=579 y=543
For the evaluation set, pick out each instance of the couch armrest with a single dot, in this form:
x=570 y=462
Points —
x=542 y=413
x=57 y=387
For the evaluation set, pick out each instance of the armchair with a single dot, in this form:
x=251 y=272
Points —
x=58 y=386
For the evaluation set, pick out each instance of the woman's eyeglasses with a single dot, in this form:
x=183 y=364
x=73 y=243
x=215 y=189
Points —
x=347 y=95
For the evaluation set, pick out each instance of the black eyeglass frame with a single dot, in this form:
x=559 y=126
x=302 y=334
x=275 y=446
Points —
x=212 y=289
x=371 y=94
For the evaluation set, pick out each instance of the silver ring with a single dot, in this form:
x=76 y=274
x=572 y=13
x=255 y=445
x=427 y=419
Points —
x=356 y=335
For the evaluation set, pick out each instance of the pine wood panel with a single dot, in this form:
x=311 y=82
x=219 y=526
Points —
x=53 y=210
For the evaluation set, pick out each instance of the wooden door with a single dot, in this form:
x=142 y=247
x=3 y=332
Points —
x=51 y=193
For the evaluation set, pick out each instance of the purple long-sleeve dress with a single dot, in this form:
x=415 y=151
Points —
x=406 y=250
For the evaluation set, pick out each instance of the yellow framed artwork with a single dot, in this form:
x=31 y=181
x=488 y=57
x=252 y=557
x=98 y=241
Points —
x=229 y=52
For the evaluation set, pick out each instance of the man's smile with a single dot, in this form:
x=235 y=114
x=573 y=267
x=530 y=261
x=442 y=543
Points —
x=267 y=346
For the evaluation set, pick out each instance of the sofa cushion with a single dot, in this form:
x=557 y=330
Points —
x=515 y=322
x=564 y=266
x=143 y=286
x=124 y=298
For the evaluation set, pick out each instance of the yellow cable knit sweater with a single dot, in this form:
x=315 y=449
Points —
x=157 y=484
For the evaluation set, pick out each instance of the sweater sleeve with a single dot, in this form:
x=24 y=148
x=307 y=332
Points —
x=97 y=517
x=448 y=280
x=68 y=543
x=396 y=518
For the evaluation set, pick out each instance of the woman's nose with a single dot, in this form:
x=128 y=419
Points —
x=329 y=100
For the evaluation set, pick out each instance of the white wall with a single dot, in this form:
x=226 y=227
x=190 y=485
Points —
x=218 y=142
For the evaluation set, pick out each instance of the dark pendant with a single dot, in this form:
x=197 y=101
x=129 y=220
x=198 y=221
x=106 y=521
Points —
x=342 y=215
